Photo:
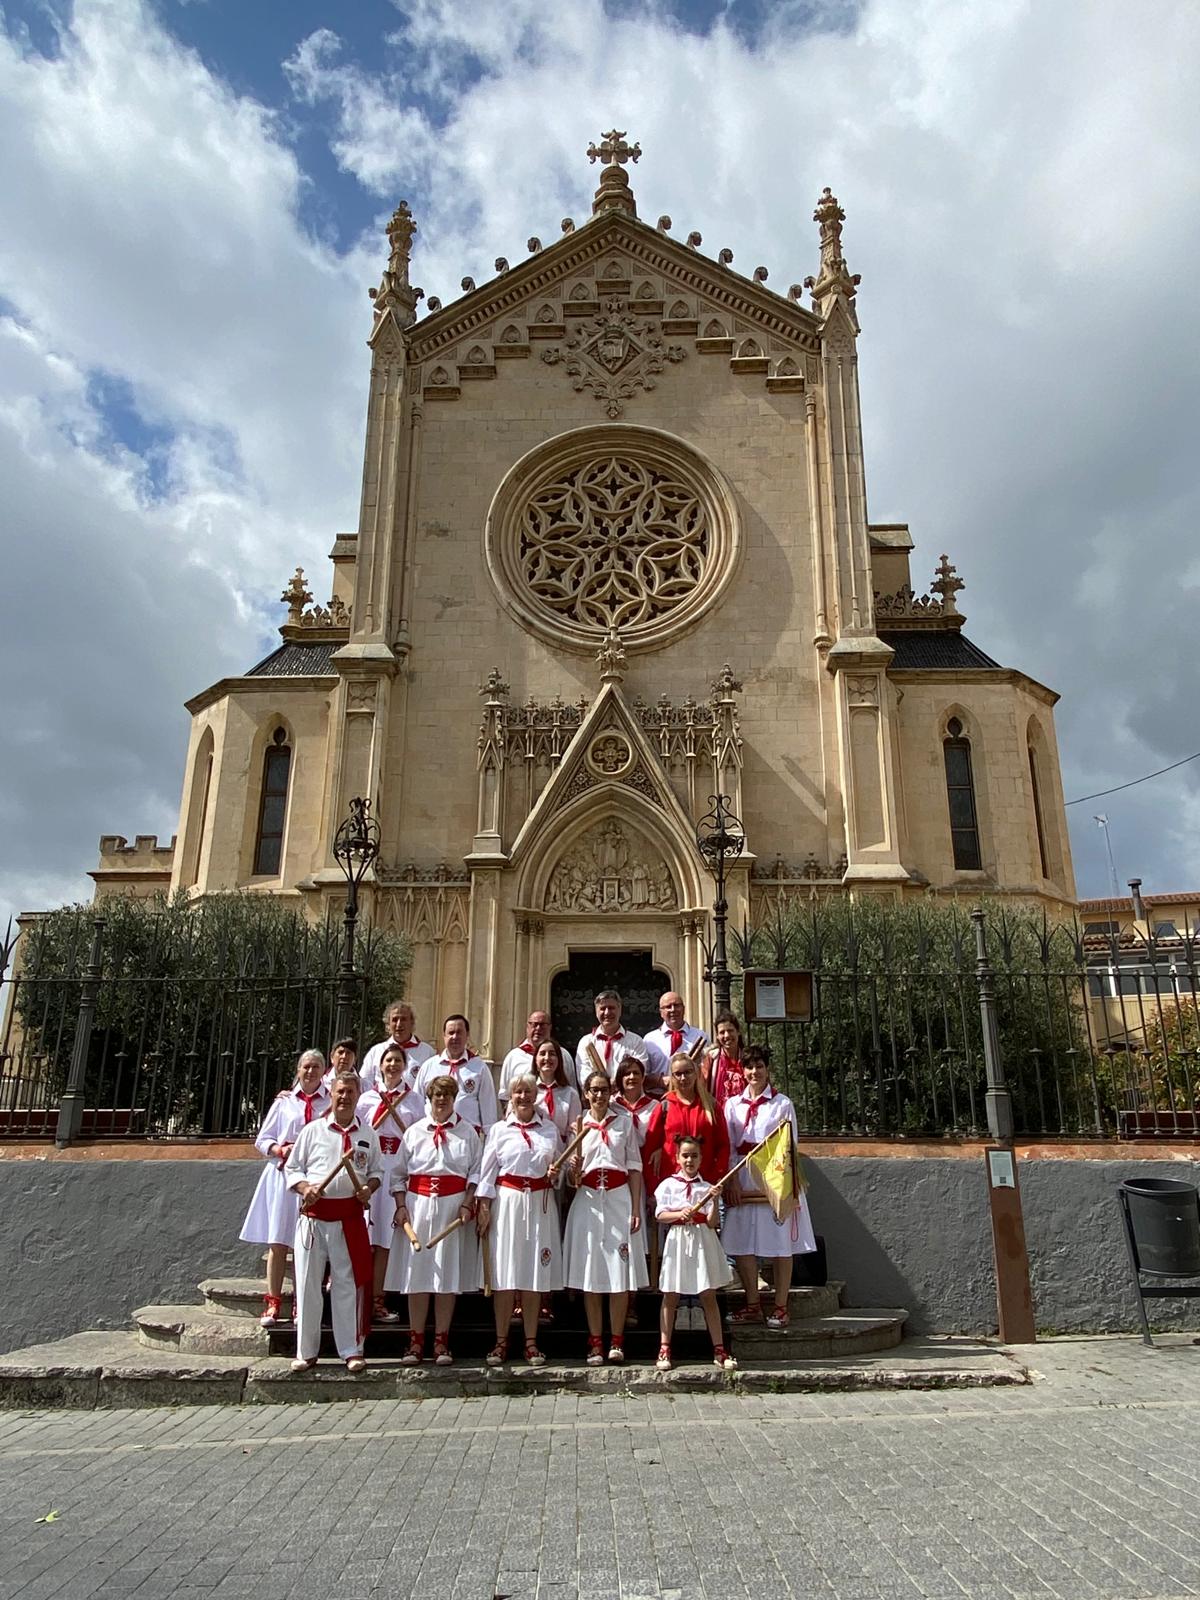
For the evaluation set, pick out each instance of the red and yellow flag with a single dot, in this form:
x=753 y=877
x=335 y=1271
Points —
x=777 y=1167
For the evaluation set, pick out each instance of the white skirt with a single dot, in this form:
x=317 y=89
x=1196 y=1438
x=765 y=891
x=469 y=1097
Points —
x=274 y=1209
x=383 y=1209
x=451 y=1267
x=601 y=1257
x=693 y=1260
x=751 y=1230
x=526 y=1241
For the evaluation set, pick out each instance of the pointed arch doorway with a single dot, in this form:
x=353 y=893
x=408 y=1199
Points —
x=631 y=972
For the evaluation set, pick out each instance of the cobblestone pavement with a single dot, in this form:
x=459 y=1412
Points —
x=1086 y=1484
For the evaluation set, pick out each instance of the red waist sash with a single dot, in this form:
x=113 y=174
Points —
x=353 y=1219
x=509 y=1180
x=436 y=1183
x=605 y=1178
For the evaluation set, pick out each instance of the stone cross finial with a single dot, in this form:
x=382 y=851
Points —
x=613 y=149
x=296 y=596
x=400 y=232
x=947 y=583
x=725 y=683
x=610 y=658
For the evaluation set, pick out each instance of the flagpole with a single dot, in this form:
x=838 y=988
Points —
x=721 y=1182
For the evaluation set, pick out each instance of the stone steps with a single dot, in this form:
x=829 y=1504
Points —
x=114 y=1370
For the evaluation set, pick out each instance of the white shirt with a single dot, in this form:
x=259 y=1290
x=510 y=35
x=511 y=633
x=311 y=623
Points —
x=285 y=1118
x=559 y=1103
x=416 y=1054
x=517 y=1149
x=476 y=1101
x=457 y=1153
x=408 y=1108
x=676 y=1193
x=638 y=1114
x=749 y=1124
x=611 y=1052
x=520 y=1060
x=319 y=1148
x=658 y=1044
x=619 y=1152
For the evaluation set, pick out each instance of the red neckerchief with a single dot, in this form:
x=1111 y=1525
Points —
x=523 y=1129
x=753 y=1105
x=386 y=1103
x=527 y=1047
x=549 y=1088
x=609 y=1040
x=407 y=1044
x=691 y=1182
x=441 y=1130
x=345 y=1132
x=452 y=1067
x=600 y=1127
x=308 y=1099
x=626 y=1105
x=676 y=1039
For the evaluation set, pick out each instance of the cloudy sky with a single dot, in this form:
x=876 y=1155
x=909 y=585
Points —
x=191 y=199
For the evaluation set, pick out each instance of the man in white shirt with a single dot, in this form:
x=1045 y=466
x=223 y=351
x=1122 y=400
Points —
x=400 y=1023
x=476 y=1102
x=520 y=1059
x=333 y=1226
x=609 y=1040
x=663 y=1042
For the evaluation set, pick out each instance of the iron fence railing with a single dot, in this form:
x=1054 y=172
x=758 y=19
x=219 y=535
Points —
x=895 y=1046
x=160 y=1056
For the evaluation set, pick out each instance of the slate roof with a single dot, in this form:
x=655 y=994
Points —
x=944 y=648
x=296 y=661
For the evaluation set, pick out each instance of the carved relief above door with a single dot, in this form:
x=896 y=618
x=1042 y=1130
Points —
x=611 y=869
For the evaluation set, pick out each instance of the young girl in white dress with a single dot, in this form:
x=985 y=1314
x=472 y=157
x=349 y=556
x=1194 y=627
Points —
x=391 y=1109
x=271 y=1219
x=693 y=1261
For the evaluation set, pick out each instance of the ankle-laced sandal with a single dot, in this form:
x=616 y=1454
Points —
x=595 y=1351
x=533 y=1355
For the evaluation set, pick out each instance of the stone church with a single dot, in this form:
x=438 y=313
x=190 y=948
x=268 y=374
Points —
x=613 y=557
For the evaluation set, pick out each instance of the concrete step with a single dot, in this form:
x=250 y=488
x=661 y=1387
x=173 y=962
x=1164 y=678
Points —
x=237 y=1297
x=199 y=1331
x=802 y=1302
x=113 y=1369
x=854 y=1331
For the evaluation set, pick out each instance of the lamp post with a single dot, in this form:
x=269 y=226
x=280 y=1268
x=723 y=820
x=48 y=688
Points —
x=355 y=847
x=721 y=839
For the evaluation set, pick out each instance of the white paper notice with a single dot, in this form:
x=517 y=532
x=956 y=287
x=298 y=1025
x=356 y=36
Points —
x=770 y=1003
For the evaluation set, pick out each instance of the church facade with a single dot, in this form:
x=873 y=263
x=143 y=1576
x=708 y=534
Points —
x=613 y=558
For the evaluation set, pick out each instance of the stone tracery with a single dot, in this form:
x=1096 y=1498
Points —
x=613 y=543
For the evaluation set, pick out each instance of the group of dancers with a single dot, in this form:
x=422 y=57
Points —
x=417 y=1172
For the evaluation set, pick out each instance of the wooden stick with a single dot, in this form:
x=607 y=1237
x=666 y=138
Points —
x=721 y=1182
x=438 y=1237
x=410 y=1233
x=561 y=1160
x=597 y=1063
x=486 y=1250
x=344 y=1164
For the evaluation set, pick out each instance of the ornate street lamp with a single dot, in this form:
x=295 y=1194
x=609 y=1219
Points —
x=721 y=839
x=355 y=848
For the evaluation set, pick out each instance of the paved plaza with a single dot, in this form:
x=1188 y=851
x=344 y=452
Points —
x=1085 y=1484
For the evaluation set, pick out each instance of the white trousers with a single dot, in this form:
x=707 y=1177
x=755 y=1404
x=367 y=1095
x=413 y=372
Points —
x=316 y=1243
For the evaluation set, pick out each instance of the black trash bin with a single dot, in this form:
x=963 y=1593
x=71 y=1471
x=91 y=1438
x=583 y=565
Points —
x=1162 y=1230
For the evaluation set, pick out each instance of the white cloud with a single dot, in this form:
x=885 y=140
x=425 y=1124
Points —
x=1022 y=201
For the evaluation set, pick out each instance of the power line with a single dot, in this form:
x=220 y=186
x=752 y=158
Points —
x=1133 y=782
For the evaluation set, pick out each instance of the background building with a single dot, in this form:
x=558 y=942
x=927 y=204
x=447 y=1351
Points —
x=613 y=557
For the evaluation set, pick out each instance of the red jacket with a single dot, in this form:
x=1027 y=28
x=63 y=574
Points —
x=669 y=1121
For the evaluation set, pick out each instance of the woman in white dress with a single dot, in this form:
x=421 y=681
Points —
x=391 y=1109
x=433 y=1184
x=271 y=1219
x=517 y=1217
x=603 y=1254
x=750 y=1231
x=693 y=1261
x=557 y=1097
x=632 y=1099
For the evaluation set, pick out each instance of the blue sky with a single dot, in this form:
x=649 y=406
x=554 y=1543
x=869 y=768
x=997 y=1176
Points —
x=193 y=195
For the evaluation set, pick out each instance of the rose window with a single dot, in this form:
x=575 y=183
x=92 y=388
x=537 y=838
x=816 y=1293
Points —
x=621 y=529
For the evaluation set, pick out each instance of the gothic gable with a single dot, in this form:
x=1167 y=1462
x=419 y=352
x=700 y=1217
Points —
x=612 y=306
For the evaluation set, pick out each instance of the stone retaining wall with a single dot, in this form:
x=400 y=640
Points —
x=87 y=1240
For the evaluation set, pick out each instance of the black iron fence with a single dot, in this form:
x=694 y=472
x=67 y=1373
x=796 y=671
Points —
x=162 y=1055
x=1093 y=1041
